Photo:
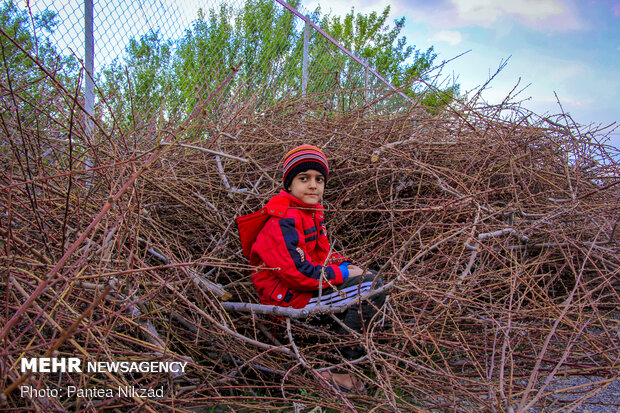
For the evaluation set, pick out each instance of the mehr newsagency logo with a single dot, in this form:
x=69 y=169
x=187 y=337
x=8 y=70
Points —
x=75 y=365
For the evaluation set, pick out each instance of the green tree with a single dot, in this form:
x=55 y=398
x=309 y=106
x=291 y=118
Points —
x=147 y=80
x=259 y=37
x=16 y=23
x=268 y=34
x=31 y=34
x=17 y=63
x=372 y=39
x=205 y=55
x=267 y=42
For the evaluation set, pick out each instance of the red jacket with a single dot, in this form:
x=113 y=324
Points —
x=288 y=238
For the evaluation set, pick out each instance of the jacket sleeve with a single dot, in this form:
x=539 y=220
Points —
x=335 y=258
x=341 y=262
x=281 y=245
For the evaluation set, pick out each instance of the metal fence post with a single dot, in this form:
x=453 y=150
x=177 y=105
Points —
x=366 y=84
x=89 y=64
x=304 y=68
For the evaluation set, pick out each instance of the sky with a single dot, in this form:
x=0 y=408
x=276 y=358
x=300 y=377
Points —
x=567 y=48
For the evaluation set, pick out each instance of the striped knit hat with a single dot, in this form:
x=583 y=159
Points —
x=301 y=159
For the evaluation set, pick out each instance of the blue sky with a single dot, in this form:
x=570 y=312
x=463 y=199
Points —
x=570 y=48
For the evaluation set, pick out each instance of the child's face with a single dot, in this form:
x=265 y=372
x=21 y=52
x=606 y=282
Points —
x=308 y=186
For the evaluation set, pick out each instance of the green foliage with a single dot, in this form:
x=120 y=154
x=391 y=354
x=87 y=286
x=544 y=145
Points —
x=374 y=41
x=268 y=35
x=205 y=55
x=259 y=38
x=15 y=23
x=166 y=79
x=435 y=100
x=169 y=78
x=20 y=71
x=31 y=33
x=149 y=66
x=371 y=38
x=147 y=80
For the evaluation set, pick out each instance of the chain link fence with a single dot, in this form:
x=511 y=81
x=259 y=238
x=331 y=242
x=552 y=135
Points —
x=162 y=58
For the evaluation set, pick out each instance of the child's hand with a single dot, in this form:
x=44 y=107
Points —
x=354 y=270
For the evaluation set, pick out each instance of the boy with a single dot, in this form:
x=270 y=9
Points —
x=287 y=238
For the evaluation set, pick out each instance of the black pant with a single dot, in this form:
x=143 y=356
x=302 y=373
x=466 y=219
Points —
x=356 y=315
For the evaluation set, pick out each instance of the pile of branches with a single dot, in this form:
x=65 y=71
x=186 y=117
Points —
x=497 y=238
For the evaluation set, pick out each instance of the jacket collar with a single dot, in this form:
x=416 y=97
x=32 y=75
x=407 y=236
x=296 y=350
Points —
x=295 y=202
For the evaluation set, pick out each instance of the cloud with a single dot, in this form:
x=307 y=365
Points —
x=540 y=15
x=451 y=37
x=489 y=11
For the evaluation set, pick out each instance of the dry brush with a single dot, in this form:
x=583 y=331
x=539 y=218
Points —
x=498 y=238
